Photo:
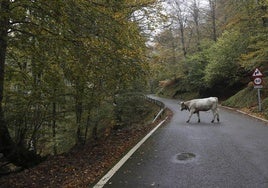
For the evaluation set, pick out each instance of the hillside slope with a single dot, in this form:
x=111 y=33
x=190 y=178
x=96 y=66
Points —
x=247 y=99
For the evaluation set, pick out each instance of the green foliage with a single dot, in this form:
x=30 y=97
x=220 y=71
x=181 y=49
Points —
x=195 y=66
x=130 y=109
x=244 y=98
x=248 y=18
x=223 y=63
x=257 y=54
x=66 y=60
x=165 y=60
x=247 y=98
x=265 y=107
x=219 y=67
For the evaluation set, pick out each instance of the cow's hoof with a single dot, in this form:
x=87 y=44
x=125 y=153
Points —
x=212 y=121
x=187 y=121
x=198 y=121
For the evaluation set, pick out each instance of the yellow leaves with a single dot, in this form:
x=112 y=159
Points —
x=254 y=59
x=257 y=52
x=118 y=15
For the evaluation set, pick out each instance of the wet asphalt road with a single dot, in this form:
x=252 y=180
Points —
x=232 y=153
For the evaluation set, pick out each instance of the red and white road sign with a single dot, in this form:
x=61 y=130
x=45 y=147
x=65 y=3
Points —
x=257 y=78
x=257 y=73
x=257 y=81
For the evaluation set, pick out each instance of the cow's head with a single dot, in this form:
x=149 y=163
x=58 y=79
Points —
x=184 y=107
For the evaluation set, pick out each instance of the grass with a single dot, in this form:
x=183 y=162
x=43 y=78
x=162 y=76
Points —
x=247 y=99
x=244 y=98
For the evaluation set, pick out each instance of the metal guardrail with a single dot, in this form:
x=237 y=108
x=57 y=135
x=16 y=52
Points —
x=158 y=103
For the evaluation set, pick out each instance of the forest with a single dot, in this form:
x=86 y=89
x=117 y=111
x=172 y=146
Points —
x=211 y=47
x=72 y=70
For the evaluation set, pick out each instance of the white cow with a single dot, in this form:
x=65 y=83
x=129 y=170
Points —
x=196 y=105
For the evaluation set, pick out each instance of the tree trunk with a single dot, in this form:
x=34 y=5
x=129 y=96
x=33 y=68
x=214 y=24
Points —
x=16 y=154
x=183 y=40
x=182 y=19
x=54 y=127
x=79 y=111
x=196 y=17
x=212 y=4
x=5 y=139
x=87 y=126
x=95 y=131
x=264 y=8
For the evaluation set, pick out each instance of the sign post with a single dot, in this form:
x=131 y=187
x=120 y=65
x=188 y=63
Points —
x=257 y=79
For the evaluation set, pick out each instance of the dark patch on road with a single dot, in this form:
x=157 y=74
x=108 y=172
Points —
x=184 y=157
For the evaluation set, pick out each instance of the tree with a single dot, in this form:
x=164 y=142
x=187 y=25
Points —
x=195 y=12
x=253 y=25
x=25 y=28
x=223 y=67
x=5 y=139
x=212 y=5
x=64 y=59
x=7 y=145
x=166 y=55
x=182 y=19
x=234 y=34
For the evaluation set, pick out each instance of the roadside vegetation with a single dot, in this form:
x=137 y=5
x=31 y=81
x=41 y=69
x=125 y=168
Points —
x=247 y=100
x=83 y=166
x=71 y=72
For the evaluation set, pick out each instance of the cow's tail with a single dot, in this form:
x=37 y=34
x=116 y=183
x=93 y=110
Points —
x=217 y=101
x=217 y=110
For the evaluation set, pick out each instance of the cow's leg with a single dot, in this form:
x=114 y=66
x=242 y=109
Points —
x=214 y=115
x=191 y=113
x=217 y=113
x=198 y=115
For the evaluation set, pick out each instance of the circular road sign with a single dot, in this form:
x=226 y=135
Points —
x=257 y=81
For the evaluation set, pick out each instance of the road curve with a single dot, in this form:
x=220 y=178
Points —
x=232 y=153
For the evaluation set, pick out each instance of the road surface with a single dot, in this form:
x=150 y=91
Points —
x=229 y=154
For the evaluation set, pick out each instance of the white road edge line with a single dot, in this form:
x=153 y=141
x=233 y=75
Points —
x=245 y=113
x=159 y=113
x=106 y=177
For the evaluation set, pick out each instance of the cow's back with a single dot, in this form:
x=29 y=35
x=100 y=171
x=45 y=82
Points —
x=204 y=104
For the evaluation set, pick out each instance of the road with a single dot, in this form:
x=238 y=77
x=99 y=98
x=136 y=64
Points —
x=232 y=153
